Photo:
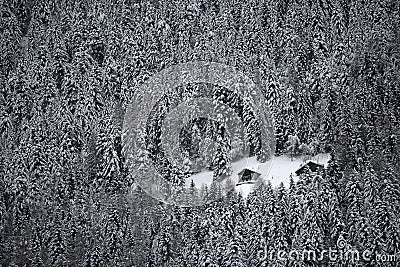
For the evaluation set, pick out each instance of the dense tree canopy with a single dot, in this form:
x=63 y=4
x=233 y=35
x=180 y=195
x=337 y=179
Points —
x=330 y=70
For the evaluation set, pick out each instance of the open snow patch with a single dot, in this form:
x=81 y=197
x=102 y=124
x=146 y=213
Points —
x=278 y=171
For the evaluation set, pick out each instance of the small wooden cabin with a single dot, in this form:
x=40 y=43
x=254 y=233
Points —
x=311 y=165
x=247 y=176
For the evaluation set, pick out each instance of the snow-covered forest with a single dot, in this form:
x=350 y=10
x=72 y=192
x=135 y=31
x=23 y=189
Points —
x=69 y=70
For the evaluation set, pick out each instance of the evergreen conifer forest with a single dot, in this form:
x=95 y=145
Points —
x=328 y=69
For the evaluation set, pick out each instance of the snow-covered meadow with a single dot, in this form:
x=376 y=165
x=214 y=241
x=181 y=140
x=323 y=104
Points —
x=277 y=171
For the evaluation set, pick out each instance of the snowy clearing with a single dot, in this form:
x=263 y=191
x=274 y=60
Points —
x=278 y=171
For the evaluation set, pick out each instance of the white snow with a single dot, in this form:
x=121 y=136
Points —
x=206 y=177
x=276 y=171
x=283 y=166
